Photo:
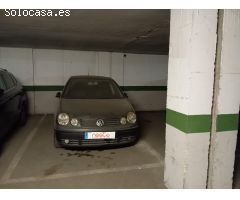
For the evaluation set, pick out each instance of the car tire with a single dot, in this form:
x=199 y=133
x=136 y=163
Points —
x=23 y=115
x=56 y=143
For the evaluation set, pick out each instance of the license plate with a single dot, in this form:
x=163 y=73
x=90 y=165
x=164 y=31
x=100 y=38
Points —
x=99 y=135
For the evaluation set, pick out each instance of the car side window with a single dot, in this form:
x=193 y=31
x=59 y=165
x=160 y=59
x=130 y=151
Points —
x=8 y=81
x=2 y=84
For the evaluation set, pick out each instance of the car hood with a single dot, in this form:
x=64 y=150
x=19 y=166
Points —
x=95 y=107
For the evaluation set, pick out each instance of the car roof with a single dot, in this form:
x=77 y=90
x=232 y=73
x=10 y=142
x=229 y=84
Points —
x=91 y=77
x=1 y=69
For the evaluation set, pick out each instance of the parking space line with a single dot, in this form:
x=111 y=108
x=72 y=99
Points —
x=18 y=156
x=144 y=145
x=82 y=173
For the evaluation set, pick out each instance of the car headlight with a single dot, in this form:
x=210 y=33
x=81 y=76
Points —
x=75 y=122
x=131 y=117
x=63 y=119
x=123 y=120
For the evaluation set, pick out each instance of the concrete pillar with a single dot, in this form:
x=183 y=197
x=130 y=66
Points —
x=202 y=98
x=226 y=101
x=189 y=97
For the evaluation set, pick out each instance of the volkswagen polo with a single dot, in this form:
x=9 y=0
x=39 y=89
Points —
x=94 y=112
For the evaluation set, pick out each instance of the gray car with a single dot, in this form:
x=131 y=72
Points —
x=94 y=112
x=13 y=103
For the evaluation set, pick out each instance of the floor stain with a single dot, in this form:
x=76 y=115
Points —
x=80 y=154
x=102 y=162
x=85 y=154
x=107 y=157
x=52 y=170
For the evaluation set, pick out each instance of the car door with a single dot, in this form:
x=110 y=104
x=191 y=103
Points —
x=9 y=104
x=4 y=126
x=17 y=95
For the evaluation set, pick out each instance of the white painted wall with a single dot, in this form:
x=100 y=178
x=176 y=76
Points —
x=145 y=70
x=54 y=67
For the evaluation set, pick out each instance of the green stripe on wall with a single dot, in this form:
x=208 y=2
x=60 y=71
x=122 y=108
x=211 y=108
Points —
x=125 y=88
x=44 y=88
x=144 y=88
x=227 y=122
x=201 y=123
x=189 y=123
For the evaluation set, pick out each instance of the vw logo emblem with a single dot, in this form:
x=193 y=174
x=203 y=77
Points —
x=100 y=122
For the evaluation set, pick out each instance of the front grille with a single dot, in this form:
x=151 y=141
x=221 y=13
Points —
x=87 y=123
x=72 y=142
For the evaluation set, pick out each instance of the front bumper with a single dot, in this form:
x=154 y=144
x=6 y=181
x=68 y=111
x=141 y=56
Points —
x=76 y=138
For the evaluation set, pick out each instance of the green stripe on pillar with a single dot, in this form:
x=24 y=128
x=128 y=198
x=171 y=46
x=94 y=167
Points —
x=176 y=119
x=227 y=122
x=201 y=123
x=189 y=123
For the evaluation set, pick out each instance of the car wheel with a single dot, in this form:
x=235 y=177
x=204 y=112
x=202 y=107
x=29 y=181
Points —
x=56 y=143
x=23 y=115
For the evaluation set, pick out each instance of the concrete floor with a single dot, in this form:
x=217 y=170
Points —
x=29 y=159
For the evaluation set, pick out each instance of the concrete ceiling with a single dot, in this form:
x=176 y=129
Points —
x=132 y=31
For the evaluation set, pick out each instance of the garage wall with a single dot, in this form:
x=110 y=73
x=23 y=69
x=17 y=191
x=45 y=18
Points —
x=44 y=71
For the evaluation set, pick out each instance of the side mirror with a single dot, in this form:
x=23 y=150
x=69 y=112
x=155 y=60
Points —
x=125 y=95
x=58 y=95
x=1 y=91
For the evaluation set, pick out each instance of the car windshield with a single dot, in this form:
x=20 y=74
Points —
x=79 y=88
